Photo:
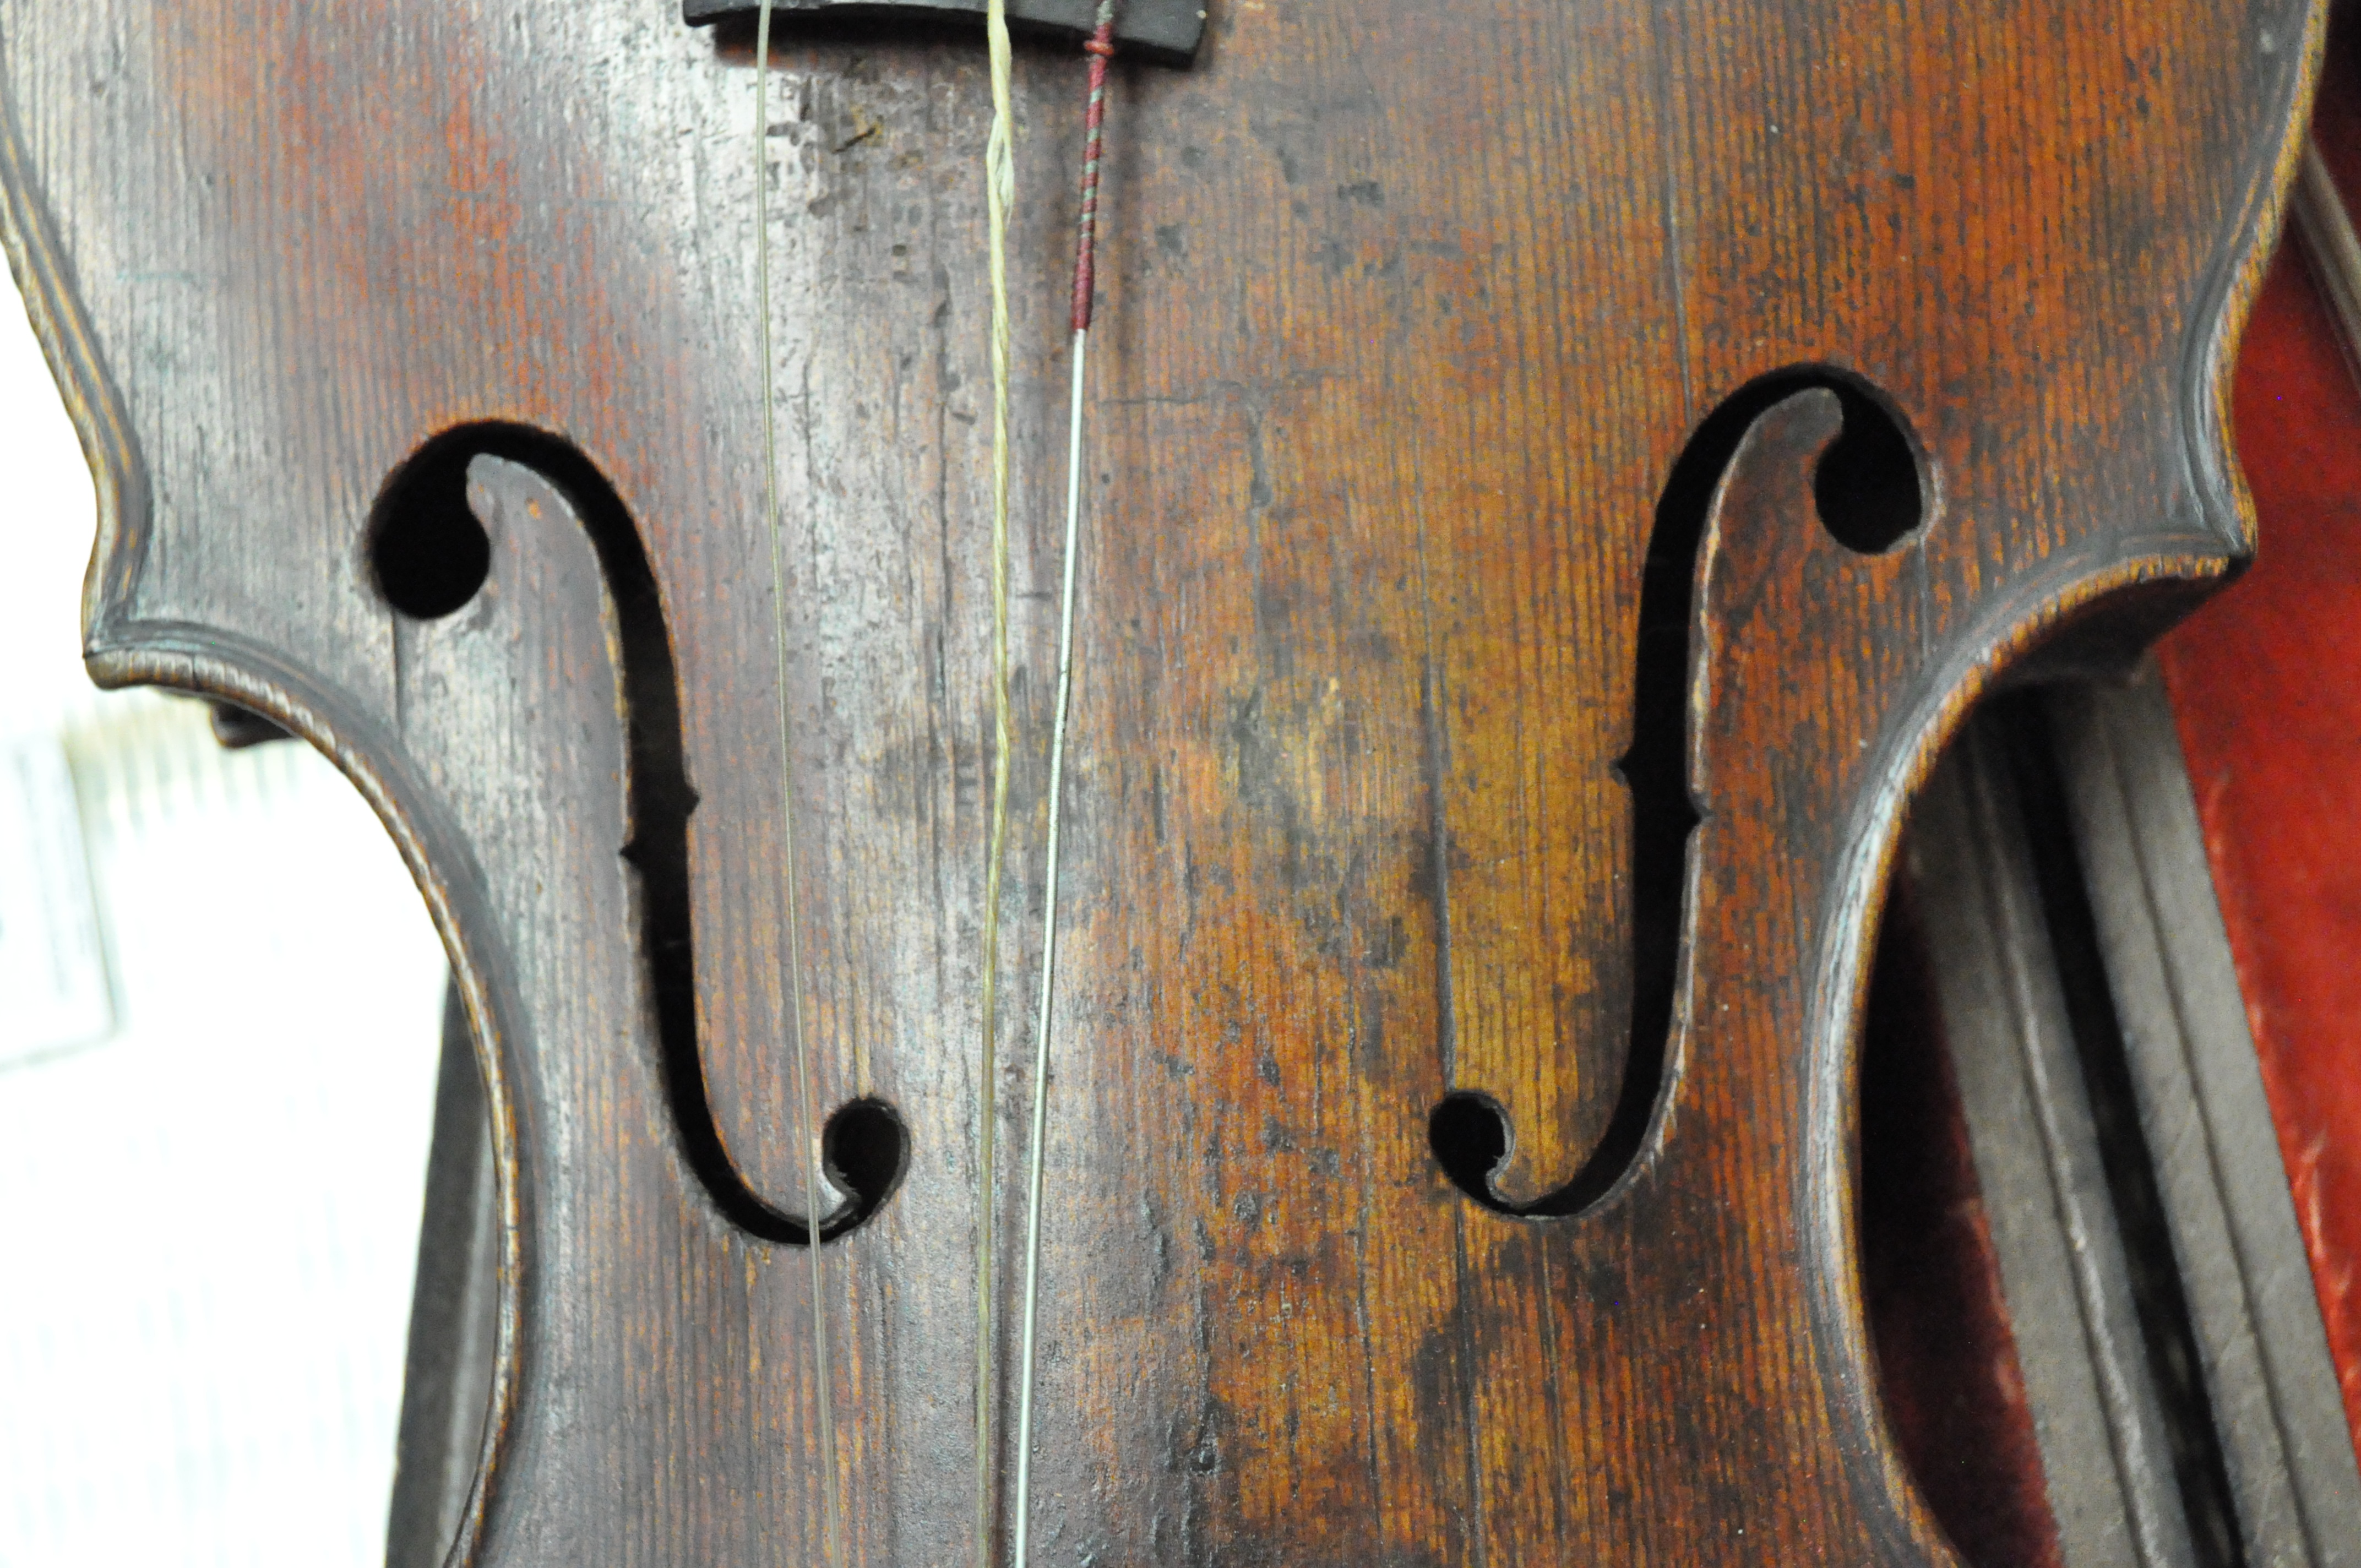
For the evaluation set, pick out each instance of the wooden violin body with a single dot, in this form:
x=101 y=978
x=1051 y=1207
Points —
x=1429 y=601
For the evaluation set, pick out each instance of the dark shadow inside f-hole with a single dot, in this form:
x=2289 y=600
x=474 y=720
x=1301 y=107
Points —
x=866 y=1143
x=1870 y=488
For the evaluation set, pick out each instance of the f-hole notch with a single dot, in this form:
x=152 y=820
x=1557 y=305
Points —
x=1870 y=488
x=415 y=527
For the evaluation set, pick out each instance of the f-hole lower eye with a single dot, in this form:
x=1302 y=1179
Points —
x=1872 y=492
x=866 y=1148
x=1470 y=1135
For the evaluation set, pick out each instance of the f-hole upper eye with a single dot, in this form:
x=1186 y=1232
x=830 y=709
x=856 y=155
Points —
x=427 y=550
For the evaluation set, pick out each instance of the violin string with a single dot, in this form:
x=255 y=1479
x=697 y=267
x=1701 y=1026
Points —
x=1100 y=47
x=830 y=1537
x=1000 y=188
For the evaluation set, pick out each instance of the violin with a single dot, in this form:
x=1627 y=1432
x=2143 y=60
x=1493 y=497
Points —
x=1545 y=484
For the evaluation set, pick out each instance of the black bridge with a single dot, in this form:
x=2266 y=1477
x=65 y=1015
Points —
x=1165 y=31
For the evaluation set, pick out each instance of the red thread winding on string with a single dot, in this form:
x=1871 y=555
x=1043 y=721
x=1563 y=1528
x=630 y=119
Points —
x=1100 y=45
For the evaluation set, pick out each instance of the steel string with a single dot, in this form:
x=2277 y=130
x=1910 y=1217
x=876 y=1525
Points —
x=1101 y=49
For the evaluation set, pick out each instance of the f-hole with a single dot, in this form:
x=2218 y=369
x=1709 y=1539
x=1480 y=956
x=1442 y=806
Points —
x=866 y=1143
x=1871 y=494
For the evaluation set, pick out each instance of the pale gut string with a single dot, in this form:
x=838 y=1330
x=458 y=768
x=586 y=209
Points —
x=999 y=185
